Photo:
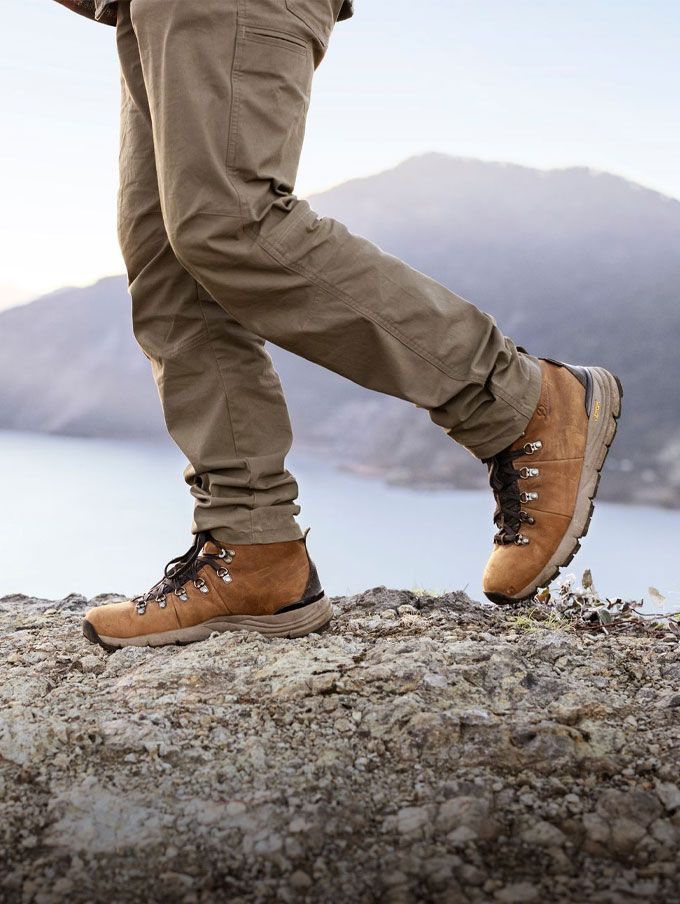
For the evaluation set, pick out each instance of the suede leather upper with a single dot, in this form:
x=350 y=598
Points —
x=264 y=578
x=560 y=423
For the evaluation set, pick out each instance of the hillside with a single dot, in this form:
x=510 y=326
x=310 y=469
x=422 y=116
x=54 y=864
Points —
x=572 y=263
x=418 y=750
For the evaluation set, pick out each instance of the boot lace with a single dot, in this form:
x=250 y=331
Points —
x=179 y=571
x=504 y=479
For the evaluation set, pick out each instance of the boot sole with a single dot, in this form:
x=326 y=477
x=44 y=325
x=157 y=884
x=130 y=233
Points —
x=294 y=623
x=607 y=392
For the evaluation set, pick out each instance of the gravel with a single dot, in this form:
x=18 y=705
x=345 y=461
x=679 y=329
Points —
x=421 y=749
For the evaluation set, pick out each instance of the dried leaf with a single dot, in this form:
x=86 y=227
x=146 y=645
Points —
x=586 y=610
x=657 y=596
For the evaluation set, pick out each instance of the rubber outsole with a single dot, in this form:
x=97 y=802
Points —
x=501 y=599
x=296 y=623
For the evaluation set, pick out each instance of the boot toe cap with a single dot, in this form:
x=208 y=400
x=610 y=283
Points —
x=110 y=620
x=513 y=573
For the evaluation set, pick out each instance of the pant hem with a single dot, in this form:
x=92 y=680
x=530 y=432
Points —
x=520 y=420
x=250 y=538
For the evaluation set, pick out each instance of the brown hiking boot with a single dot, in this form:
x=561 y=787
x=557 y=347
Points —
x=272 y=588
x=544 y=505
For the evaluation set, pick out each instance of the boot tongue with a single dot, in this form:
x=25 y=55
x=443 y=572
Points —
x=211 y=548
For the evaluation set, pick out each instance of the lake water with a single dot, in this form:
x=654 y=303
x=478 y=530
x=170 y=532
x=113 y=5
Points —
x=92 y=516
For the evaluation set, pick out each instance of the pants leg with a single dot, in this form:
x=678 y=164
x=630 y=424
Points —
x=228 y=83
x=221 y=397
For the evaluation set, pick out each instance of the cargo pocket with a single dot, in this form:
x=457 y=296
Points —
x=272 y=84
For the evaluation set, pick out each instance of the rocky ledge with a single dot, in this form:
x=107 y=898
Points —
x=420 y=749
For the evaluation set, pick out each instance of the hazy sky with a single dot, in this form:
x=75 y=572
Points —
x=539 y=82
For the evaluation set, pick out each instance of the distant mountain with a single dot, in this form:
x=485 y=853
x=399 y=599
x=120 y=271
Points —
x=11 y=295
x=573 y=264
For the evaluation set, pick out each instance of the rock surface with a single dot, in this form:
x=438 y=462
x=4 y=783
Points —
x=418 y=750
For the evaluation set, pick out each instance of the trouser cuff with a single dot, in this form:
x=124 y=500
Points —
x=504 y=431
x=276 y=535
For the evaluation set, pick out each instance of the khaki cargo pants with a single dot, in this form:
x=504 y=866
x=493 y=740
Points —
x=222 y=256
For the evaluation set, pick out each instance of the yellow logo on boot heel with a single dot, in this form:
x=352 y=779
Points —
x=596 y=410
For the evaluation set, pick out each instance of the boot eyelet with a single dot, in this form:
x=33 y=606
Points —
x=521 y=540
x=162 y=602
x=528 y=497
x=227 y=554
x=224 y=574
x=201 y=585
x=530 y=448
x=182 y=594
x=525 y=473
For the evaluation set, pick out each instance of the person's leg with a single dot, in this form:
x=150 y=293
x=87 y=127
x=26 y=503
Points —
x=221 y=397
x=228 y=86
x=248 y=568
